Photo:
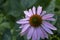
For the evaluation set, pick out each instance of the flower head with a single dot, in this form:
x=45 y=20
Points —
x=35 y=24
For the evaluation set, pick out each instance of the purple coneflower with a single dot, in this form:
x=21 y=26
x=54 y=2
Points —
x=35 y=24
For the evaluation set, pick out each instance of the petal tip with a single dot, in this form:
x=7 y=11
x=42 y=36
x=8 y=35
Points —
x=17 y=22
x=55 y=29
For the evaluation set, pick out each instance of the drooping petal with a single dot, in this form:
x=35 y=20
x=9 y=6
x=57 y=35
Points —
x=47 y=16
x=34 y=10
x=29 y=35
x=43 y=13
x=39 y=10
x=38 y=33
x=47 y=29
x=21 y=26
x=45 y=34
x=34 y=36
x=26 y=26
x=25 y=19
x=22 y=22
x=30 y=12
x=50 y=19
x=24 y=33
x=26 y=16
x=27 y=13
x=48 y=25
x=41 y=33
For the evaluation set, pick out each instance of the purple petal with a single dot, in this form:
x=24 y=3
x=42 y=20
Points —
x=24 y=33
x=48 y=25
x=47 y=16
x=34 y=36
x=43 y=13
x=38 y=33
x=39 y=10
x=21 y=26
x=30 y=12
x=29 y=35
x=26 y=16
x=34 y=10
x=45 y=34
x=47 y=29
x=41 y=33
x=27 y=13
x=22 y=22
x=50 y=19
x=25 y=19
x=26 y=26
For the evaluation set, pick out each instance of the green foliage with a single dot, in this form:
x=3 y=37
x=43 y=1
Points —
x=7 y=35
x=51 y=7
x=27 y=3
x=3 y=23
x=12 y=10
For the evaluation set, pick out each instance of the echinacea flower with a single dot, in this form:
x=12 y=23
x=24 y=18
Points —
x=35 y=24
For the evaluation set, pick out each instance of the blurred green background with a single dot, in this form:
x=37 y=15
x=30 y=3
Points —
x=12 y=10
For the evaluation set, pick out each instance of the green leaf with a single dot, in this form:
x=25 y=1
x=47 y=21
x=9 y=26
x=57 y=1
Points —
x=5 y=25
x=58 y=4
x=27 y=3
x=43 y=3
x=58 y=20
x=1 y=17
x=51 y=7
x=7 y=35
x=57 y=12
x=12 y=7
x=2 y=1
x=2 y=23
x=1 y=34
